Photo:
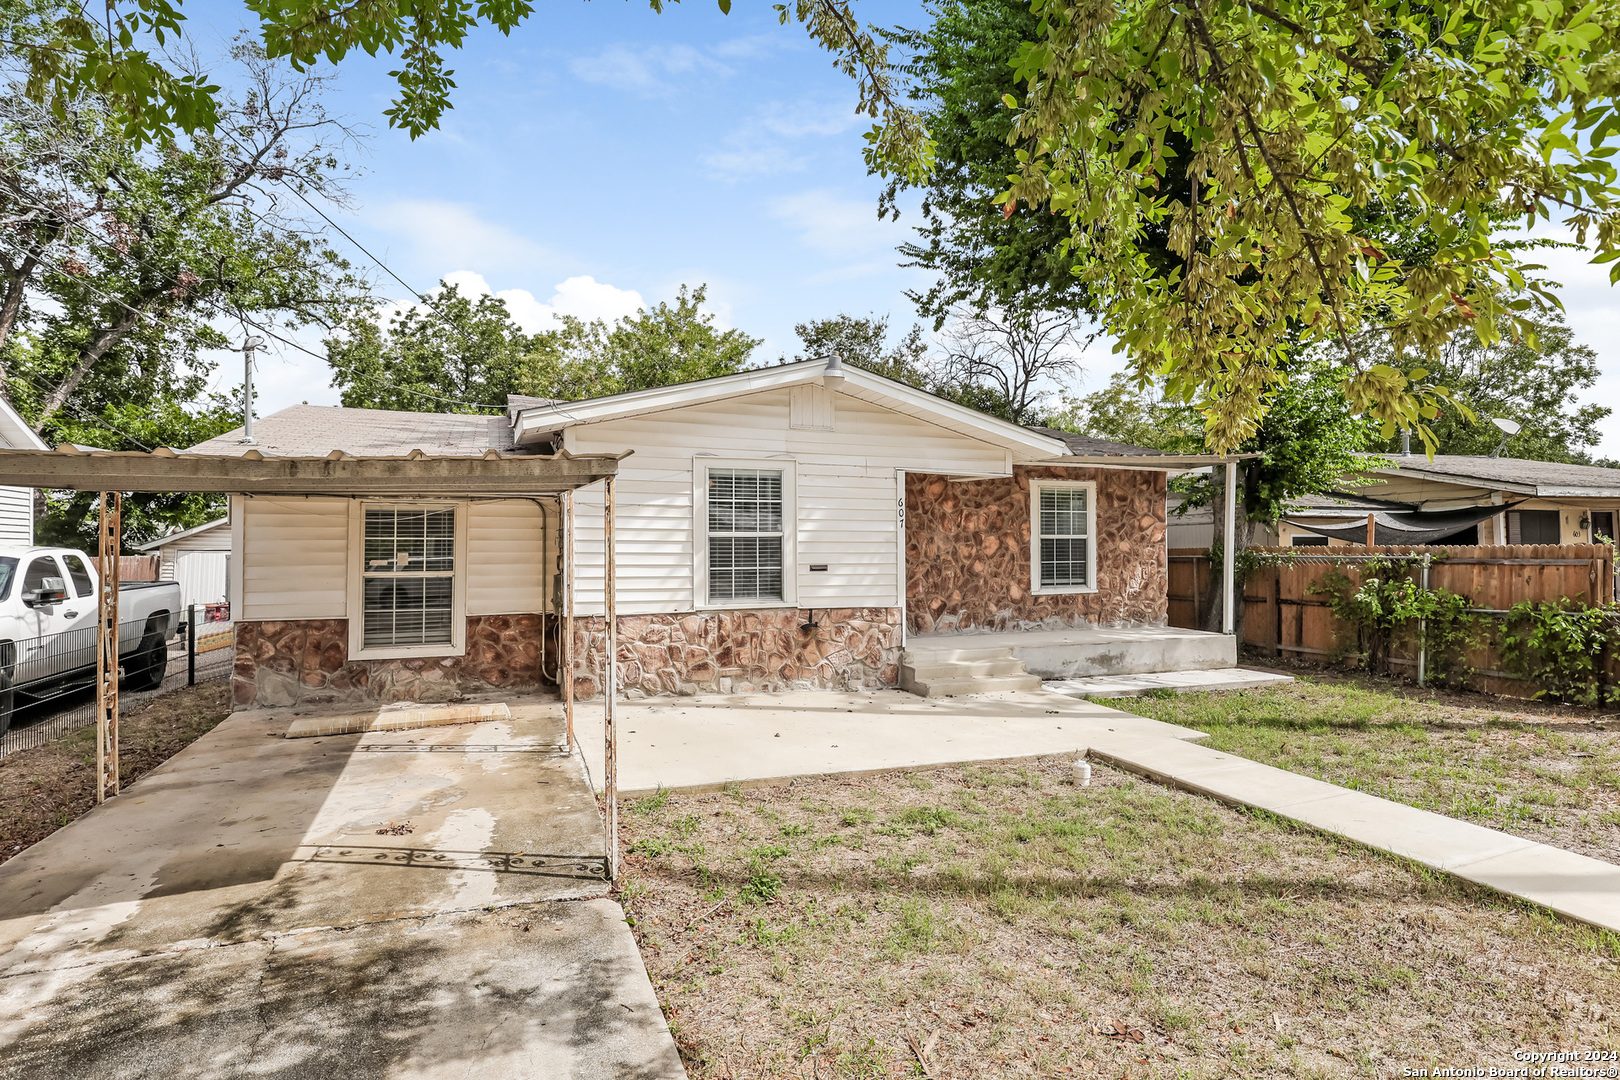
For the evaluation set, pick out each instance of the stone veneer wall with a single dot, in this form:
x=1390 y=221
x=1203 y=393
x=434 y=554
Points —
x=307 y=662
x=741 y=652
x=968 y=553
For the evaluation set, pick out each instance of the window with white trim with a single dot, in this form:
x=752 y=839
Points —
x=407 y=578
x=1063 y=536
x=745 y=535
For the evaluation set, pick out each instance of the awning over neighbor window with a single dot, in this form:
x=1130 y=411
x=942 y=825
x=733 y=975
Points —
x=1404 y=527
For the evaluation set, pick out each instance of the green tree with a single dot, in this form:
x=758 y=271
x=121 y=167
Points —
x=960 y=69
x=1537 y=387
x=1308 y=440
x=119 y=267
x=1292 y=121
x=465 y=355
x=863 y=341
x=459 y=355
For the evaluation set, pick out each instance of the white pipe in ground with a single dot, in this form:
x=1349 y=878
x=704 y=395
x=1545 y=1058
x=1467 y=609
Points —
x=1082 y=772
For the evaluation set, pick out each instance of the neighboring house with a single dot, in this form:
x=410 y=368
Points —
x=1450 y=500
x=16 y=503
x=198 y=558
x=784 y=527
x=1549 y=502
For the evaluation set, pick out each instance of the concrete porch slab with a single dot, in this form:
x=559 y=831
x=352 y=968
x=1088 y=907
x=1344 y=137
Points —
x=707 y=743
x=1085 y=652
x=1111 y=686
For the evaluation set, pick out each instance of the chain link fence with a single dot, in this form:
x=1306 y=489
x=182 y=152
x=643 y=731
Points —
x=54 y=680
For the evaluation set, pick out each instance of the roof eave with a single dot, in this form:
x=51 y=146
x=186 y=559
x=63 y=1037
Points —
x=538 y=423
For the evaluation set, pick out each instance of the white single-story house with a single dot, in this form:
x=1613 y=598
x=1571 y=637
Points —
x=16 y=503
x=199 y=558
x=784 y=527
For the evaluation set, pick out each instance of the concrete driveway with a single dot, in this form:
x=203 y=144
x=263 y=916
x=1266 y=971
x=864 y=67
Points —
x=418 y=904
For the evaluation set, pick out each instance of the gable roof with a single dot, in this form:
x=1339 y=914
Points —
x=1085 y=445
x=15 y=434
x=317 y=430
x=1544 y=479
x=169 y=538
x=542 y=422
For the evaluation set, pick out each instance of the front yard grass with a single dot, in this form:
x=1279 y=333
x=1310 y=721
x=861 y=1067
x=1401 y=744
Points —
x=1003 y=921
x=1538 y=771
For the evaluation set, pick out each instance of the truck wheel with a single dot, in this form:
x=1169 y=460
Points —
x=147 y=665
x=8 y=700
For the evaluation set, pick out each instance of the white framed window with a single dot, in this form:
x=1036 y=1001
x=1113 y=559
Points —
x=407 y=582
x=745 y=518
x=1063 y=536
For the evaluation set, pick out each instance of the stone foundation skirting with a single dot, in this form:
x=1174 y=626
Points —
x=741 y=652
x=306 y=662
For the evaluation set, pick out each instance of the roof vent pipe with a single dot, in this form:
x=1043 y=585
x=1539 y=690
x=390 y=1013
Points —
x=1406 y=442
x=832 y=376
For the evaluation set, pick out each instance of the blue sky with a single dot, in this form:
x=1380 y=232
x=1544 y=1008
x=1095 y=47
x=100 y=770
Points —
x=603 y=155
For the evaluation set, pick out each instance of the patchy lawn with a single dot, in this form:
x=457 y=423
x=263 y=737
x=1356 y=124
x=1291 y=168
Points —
x=43 y=789
x=1542 y=772
x=1002 y=921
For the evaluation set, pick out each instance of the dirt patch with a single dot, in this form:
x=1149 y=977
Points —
x=44 y=788
x=1003 y=921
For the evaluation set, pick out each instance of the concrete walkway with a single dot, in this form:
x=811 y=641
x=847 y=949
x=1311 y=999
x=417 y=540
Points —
x=409 y=905
x=1570 y=884
x=706 y=743
x=1113 y=686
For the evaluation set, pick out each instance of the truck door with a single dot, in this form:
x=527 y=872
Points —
x=48 y=651
x=79 y=614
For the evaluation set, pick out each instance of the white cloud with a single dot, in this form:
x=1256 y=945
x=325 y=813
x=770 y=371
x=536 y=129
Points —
x=760 y=145
x=441 y=234
x=836 y=224
x=582 y=297
x=649 y=70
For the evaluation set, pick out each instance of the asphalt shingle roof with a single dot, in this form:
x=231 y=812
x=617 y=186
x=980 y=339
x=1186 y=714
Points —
x=1489 y=471
x=317 y=430
x=1085 y=444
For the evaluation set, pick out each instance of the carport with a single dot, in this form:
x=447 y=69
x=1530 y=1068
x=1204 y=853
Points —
x=417 y=475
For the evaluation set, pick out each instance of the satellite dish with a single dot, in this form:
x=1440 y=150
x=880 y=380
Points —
x=1508 y=428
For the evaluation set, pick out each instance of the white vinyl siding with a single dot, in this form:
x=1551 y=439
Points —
x=847 y=519
x=295 y=558
x=217 y=539
x=17 y=516
x=507 y=556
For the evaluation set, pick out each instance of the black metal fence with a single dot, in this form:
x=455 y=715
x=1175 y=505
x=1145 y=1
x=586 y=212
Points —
x=53 y=676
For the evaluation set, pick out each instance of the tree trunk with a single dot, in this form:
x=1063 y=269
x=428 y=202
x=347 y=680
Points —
x=93 y=352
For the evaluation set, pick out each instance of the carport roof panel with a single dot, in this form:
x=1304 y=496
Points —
x=252 y=473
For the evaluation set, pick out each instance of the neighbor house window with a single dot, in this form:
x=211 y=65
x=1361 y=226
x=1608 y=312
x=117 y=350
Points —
x=1533 y=527
x=1063 y=536
x=746 y=535
x=407 y=577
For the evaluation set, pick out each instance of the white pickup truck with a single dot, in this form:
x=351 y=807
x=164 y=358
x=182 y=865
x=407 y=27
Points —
x=48 y=625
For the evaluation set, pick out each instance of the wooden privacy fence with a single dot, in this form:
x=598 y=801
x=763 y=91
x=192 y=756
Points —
x=1281 y=615
x=139 y=567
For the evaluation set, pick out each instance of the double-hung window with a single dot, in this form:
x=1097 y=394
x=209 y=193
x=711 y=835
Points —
x=747 y=542
x=1063 y=536
x=408 y=577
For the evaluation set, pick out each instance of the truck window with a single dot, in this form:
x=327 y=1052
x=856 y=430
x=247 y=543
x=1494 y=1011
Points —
x=82 y=585
x=38 y=570
x=8 y=574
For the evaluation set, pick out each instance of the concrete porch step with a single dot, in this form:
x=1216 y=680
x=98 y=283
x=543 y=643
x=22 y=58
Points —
x=948 y=673
x=974 y=684
x=1083 y=652
x=1007 y=664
